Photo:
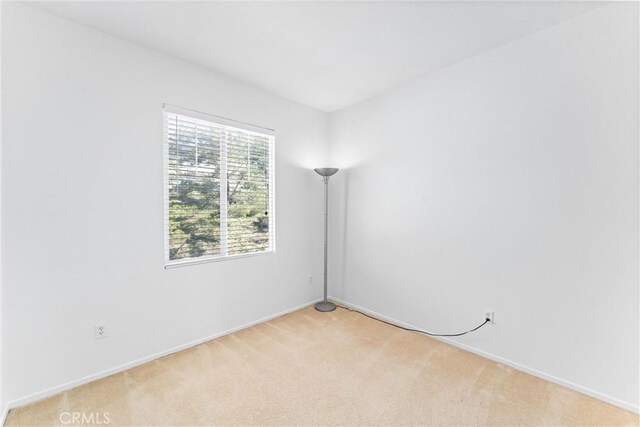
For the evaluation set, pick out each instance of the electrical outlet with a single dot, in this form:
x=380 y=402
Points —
x=310 y=280
x=100 y=331
x=488 y=315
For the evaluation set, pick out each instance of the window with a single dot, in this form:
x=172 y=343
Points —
x=218 y=188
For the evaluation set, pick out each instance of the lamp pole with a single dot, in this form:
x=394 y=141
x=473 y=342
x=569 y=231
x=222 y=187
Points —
x=325 y=305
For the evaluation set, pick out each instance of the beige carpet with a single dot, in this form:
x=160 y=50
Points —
x=310 y=368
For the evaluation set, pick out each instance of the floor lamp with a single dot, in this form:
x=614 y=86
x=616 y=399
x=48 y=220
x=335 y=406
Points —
x=325 y=173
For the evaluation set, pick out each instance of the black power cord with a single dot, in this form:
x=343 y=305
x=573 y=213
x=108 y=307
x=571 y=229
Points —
x=414 y=330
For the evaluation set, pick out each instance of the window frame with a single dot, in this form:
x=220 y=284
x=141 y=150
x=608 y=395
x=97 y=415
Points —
x=223 y=123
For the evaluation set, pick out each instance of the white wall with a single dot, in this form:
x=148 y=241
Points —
x=508 y=181
x=2 y=401
x=83 y=204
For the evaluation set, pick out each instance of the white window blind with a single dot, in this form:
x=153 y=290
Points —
x=219 y=192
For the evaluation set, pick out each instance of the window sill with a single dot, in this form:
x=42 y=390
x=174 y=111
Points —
x=206 y=260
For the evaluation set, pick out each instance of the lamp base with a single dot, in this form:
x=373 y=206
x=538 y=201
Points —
x=325 y=306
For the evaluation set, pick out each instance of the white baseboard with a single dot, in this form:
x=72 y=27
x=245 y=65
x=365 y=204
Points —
x=580 y=389
x=3 y=417
x=87 y=379
x=117 y=369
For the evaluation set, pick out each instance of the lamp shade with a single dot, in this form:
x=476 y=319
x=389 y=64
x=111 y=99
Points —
x=326 y=171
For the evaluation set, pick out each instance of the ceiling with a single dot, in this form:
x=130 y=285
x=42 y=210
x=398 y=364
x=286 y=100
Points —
x=327 y=55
